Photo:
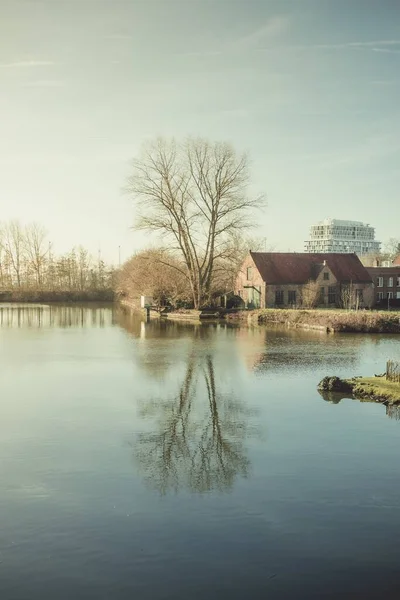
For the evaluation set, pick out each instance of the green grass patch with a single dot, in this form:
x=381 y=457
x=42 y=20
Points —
x=376 y=388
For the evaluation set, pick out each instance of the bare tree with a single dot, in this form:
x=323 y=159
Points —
x=27 y=263
x=4 y=262
x=392 y=248
x=14 y=244
x=310 y=294
x=349 y=298
x=83 y=267
x=230 y=261
x=154 y=273
x=36 y=249
x=195 y=195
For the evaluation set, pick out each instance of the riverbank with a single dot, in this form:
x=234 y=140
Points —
x=43 y=296
x=182 y=314
x=330 y=321
x=375 y=389
x=327 y=321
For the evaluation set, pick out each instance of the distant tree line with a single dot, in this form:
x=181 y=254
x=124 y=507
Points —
x=28 y=263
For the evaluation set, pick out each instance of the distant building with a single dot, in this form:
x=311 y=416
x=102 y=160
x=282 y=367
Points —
x=334 y=235
x=280 y=279
x=387 y=285
x=374 y=260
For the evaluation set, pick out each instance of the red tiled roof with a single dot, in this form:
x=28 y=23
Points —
x=298 y=268
x=376 y=271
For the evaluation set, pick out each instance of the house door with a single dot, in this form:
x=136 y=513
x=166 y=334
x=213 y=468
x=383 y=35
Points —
x=254 y=297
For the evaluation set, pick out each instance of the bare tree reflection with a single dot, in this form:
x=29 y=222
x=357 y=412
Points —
x=393 y=411
x=200 y=439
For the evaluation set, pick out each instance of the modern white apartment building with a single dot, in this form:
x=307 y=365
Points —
x=335 y=235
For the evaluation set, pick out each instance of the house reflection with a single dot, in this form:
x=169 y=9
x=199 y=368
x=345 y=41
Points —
x=199 y=427
x=277 y=349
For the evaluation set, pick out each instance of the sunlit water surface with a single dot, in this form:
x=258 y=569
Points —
x=163 y=460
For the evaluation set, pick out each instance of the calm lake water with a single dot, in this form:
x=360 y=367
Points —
x=174 y=461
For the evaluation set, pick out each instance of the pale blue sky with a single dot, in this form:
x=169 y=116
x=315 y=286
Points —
x=310 y=88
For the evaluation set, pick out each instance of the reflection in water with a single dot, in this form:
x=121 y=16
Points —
x=392 y=410
x=277 y=349
x=199 y=432
x=63 y=316
x=136 y=326
x=333 y=397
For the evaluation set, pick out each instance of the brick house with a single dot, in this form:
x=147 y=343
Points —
x=387 y=285
x=271 y=279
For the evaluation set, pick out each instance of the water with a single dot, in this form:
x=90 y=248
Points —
x=159 y=461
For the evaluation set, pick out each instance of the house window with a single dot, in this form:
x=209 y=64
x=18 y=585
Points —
x=331 y=294
x=292 y=297
x=326 y=275
x=398 y=282
x=389 y=295
x=279 y=297
x=398 y=295
x=390 y=282
x=249 y=273
x=379 y=281
x=380 y=296
x=322 y=295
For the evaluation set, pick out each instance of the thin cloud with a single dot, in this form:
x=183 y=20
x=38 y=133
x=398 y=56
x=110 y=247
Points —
x=26 y=64
x=375 y=43
x=45 y=83
x=386 y=50
x=366 y=44
x=274 y=28
x=372 y=149
x=383 y=82
x=236 y=113
x=118 y=36
x=198 y=53
x=388 y=46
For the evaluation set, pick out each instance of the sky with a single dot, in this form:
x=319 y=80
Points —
x=308 y=88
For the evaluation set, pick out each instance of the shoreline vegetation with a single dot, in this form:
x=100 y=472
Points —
x=53 y=296
x=31 y=271
x=370 y=389
x=330 y=321
x=327 y=321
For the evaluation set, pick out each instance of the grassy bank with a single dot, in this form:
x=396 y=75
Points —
x=371 y=389
x=42 y=296
x=376 y=388
x=363 y=321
